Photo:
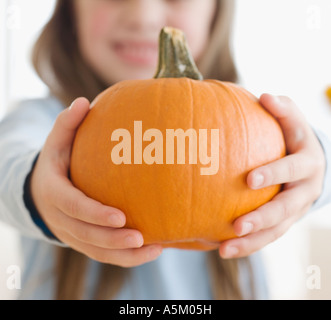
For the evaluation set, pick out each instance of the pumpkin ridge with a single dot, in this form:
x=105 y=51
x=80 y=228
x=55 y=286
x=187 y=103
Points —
x=243 y=119
x=235 y=101
x=236 y=105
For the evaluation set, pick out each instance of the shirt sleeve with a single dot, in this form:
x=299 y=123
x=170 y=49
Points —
x=23 y=133
x=325 y=197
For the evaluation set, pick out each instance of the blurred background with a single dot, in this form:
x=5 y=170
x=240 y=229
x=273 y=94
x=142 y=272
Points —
x=281 y=47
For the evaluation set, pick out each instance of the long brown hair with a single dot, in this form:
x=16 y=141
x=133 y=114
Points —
x=58 y=62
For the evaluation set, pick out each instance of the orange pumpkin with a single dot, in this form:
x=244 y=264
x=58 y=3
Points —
x=173 y=203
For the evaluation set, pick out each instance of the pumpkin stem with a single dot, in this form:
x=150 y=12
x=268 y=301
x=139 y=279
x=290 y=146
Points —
x=175 y=59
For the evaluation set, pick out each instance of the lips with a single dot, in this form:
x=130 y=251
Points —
x=137 y=53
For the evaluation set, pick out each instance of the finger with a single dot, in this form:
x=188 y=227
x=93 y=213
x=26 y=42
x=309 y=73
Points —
x=122 y=257
x=77 y=205
x=291 y=168
x=132 y=257
x=245 y=246
x=289 y=204
x=291 y=120
x=104 y=237
x=66 y=125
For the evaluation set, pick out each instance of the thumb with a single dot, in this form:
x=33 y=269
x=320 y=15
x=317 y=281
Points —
x=63 y=133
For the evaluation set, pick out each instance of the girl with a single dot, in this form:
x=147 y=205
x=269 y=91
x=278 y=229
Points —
x=75 y=247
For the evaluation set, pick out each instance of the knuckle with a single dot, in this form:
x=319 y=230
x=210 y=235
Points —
x=278 y=232
x=134 y=258
x=245 y=248
x=81 y=234
x=46 y=191
x=274 y=234
x=269 y=175
x=292 y=170
x=72 y=207
x=259 y=220
x=125 y=260
x=285 y=211
x=101 y=257
x=115 y=257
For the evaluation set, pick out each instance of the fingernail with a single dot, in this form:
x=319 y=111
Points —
x=133 y=242
x=154 y=252
x=116 y=220
x=258 y=180
x=230 y=252
x=278 y=101
x=247 y=227
x=71 y=105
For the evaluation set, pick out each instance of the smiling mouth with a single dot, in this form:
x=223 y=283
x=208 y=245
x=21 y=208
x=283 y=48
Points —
x=137 y=53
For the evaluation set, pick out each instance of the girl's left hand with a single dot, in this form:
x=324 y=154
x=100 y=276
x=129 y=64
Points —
x=302 y=173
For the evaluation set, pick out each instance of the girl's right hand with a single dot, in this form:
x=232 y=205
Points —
x=82 y=223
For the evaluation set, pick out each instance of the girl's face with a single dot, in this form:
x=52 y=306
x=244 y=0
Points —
x=119 y=38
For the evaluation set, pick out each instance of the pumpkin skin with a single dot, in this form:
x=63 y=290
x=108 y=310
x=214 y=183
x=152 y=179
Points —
x=173 y=204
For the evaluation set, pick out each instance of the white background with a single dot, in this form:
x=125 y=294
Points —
x=281 y=47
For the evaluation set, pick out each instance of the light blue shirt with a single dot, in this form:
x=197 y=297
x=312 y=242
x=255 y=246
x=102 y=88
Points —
x=176 y=274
